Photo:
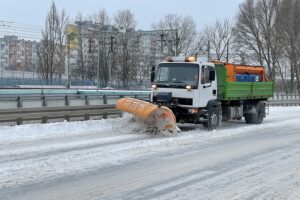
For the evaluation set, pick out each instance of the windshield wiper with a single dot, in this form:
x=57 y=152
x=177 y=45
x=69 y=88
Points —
x=177 y=82
x=161 y=81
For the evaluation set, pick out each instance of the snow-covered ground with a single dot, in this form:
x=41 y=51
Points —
x=53 y=154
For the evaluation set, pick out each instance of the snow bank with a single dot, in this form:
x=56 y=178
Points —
x=28 y=132
x=127 y=124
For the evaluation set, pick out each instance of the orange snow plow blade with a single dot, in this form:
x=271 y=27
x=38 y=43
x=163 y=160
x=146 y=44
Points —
x=159 y=117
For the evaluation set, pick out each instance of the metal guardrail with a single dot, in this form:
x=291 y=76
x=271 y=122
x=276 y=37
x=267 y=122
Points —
x=290 y=102
x=72 y=99
x=284 y=100
x=17 y=109
x=45 y=107
x=43 y=114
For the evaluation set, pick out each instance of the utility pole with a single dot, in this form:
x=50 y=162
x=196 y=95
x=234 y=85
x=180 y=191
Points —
x=177 y=39
x=227 y=56
x=68 y=75
x=162 y=42
x=98 y=62
x=208 y=51
x=111 y=60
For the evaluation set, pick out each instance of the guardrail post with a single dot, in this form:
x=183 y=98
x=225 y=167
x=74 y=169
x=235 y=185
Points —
x=44 y=120
x=67 y=118
x=67 y=102
x=121 y=96
x=104 y=102
x=87 y=102
x=20 y=104
x=44 y=101
x=19 y=121
x=86 y=116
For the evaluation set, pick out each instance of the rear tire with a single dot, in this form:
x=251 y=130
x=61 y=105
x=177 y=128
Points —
x=260 y=112
x=249 y=118
x=258 y=115
x=240 y=118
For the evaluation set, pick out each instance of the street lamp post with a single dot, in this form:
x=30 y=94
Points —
x=68 y=75
x=208 y=51
x=98 y=62
x=227 y=56
x=177 y=40
x=98 y=58
x=110 y=60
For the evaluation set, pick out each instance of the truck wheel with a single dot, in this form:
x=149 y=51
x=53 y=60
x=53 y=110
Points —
x=249 y=118
x=239 y=118
x=260 y=112
x=256 y=117
x=214 y=118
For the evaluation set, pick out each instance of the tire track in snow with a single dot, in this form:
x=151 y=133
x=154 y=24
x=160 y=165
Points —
x=47 y=149
x=215 y=178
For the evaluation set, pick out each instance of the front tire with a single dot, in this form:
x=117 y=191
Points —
x=214 y=118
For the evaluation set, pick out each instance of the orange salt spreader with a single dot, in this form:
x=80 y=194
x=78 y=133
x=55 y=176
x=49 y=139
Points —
x=234 y=69
x=159 y=117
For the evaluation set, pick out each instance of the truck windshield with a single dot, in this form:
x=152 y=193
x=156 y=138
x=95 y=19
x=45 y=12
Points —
x=177 y=75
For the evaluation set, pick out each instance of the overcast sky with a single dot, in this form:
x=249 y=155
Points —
x=146 y=12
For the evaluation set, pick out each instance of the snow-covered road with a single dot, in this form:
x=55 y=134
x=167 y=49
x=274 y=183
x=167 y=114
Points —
x=116 y=159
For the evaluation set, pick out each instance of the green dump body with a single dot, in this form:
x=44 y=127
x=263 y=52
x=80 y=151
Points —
x=241 y=90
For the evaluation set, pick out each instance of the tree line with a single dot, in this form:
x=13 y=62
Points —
x=263 y=32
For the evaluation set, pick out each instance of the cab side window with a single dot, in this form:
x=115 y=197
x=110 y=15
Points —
x=163 y=74
x=205 y=71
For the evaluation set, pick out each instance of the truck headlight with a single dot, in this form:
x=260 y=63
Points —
x=154 y=86
x=193 y=110
x=188 y=87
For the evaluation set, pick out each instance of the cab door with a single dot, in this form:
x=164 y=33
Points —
x=208 y=86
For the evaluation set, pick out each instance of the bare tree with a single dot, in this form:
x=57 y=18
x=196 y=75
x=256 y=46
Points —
x=81 y=59
x=126 y=51
x=50 y=60
x=103 y=27
x=183 y=36
x=289 y=28
x=298 y=67
x=216 y=38
x=61 y=47
x=256 y=31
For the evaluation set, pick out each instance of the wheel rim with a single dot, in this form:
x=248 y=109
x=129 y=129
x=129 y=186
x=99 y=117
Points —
x=214 y=120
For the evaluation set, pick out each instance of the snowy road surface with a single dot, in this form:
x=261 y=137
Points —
x=115 y=159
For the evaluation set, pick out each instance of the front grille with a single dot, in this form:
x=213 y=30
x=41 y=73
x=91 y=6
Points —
x=183 y=101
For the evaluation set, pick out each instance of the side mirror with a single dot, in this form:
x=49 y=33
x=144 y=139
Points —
x=152 y=73
x=212 y=74
x=152 y=76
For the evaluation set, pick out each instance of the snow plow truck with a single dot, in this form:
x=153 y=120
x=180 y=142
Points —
x=187 y=91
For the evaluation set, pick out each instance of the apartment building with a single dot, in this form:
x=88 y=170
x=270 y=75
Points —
x=18 y=54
